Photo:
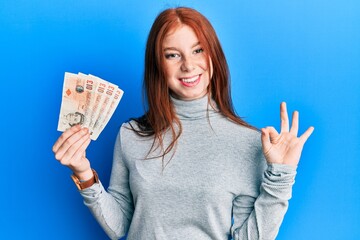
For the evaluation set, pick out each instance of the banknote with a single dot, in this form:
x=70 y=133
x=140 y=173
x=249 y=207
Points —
x=89 y=101
x=105 y=105
x=99 y=99
x=114 y=103
x=73 y=104
x=90 y=87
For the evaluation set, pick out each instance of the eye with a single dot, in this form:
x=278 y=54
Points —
x=172 y=55
x=199 y=50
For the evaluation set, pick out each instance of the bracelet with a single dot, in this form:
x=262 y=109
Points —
x=81 y=185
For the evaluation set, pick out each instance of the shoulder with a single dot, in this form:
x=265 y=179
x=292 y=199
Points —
x=240 y=133
x=249 y=139
x=242 y=141
x=129 y=129
x=135 y=130
x=241 y=147
x=129 y=125
x=132 y=144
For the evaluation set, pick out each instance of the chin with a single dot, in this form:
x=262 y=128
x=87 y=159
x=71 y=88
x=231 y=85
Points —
x=192 y=97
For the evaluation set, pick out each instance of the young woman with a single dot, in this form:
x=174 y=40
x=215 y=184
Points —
x=190 y=168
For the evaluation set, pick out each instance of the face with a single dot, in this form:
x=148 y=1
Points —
x=187 y=73
x=74 y=118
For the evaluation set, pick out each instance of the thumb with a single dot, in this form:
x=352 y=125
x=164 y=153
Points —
x=265 y=139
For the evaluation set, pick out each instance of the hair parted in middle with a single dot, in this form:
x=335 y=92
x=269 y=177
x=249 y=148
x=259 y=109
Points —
x=160 y=115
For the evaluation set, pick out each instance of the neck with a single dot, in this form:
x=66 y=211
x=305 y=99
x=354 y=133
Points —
x=193 y=109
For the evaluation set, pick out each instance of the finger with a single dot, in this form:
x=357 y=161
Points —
x=69 y=155
x=284 y=118
x=304 y=137
x=65 y=136
x=59 y=154
x=295 y=123
x=269 y=136
x=80 y=152
x=265 y=139
x=273 y=134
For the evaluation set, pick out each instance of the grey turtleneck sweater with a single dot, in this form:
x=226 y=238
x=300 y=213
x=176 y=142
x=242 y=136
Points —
x=216 y=186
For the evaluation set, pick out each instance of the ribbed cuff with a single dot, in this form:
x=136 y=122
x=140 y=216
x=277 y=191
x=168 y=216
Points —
x=92 y=194
x=278 y=180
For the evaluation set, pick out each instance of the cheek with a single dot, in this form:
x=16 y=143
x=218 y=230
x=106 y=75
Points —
x=170 y=76
x=204 y=64
x=169 y=70
x=208 y=67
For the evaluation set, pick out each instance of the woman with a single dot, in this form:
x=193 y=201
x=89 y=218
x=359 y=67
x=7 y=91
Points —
x=189 y=168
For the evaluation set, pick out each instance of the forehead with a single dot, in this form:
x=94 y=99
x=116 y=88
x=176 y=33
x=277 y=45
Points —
x=182 y=35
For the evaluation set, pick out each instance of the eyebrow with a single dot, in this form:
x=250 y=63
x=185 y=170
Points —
x=174 y=48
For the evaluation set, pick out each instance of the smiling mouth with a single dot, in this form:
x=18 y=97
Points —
x=190 y=80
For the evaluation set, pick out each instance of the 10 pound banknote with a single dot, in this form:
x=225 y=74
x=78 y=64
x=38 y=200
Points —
x=89 y=101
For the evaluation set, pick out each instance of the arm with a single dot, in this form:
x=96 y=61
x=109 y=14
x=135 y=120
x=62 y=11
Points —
x=260 y=217
x=113 y=209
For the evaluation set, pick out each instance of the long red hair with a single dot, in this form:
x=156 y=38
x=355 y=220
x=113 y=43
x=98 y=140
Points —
x=160 y=115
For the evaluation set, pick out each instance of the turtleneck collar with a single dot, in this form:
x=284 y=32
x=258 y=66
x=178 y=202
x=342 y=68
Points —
x=193 y=109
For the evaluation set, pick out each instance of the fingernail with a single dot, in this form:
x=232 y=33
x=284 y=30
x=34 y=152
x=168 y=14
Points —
x=85 y=130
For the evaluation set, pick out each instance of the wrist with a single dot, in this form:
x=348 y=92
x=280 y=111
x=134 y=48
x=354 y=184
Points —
x=87 y=182
x=84 y=175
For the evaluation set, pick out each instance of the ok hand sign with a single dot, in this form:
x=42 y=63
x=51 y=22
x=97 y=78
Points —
x=286 y=147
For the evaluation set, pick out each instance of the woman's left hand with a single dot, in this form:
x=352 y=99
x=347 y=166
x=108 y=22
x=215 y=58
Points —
x=284 y=147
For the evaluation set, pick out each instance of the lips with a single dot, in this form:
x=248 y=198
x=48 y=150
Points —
x=190 y=81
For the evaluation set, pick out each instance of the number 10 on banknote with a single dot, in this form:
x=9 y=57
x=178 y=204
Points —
x=89 y=101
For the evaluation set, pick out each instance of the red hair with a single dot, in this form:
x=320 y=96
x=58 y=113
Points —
x=160 y=115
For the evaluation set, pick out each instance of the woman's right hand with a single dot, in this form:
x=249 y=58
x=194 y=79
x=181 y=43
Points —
x=70 y=148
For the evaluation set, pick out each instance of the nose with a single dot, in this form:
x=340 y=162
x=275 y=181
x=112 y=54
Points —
x=187 y=65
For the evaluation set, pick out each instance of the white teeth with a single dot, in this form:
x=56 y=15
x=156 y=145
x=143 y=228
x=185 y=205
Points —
x=190 y=80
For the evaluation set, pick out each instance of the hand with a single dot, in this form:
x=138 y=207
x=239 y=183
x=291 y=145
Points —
x=70 y=148
x=286 y=147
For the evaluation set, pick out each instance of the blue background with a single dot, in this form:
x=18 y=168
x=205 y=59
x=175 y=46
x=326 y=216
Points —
x=306 y=53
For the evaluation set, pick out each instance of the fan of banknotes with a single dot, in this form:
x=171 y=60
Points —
x=89 y=101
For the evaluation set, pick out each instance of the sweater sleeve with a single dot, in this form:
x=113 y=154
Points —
x=260 y=217
x=113 y=209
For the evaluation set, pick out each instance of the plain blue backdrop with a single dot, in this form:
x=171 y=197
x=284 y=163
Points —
x=306 y=53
